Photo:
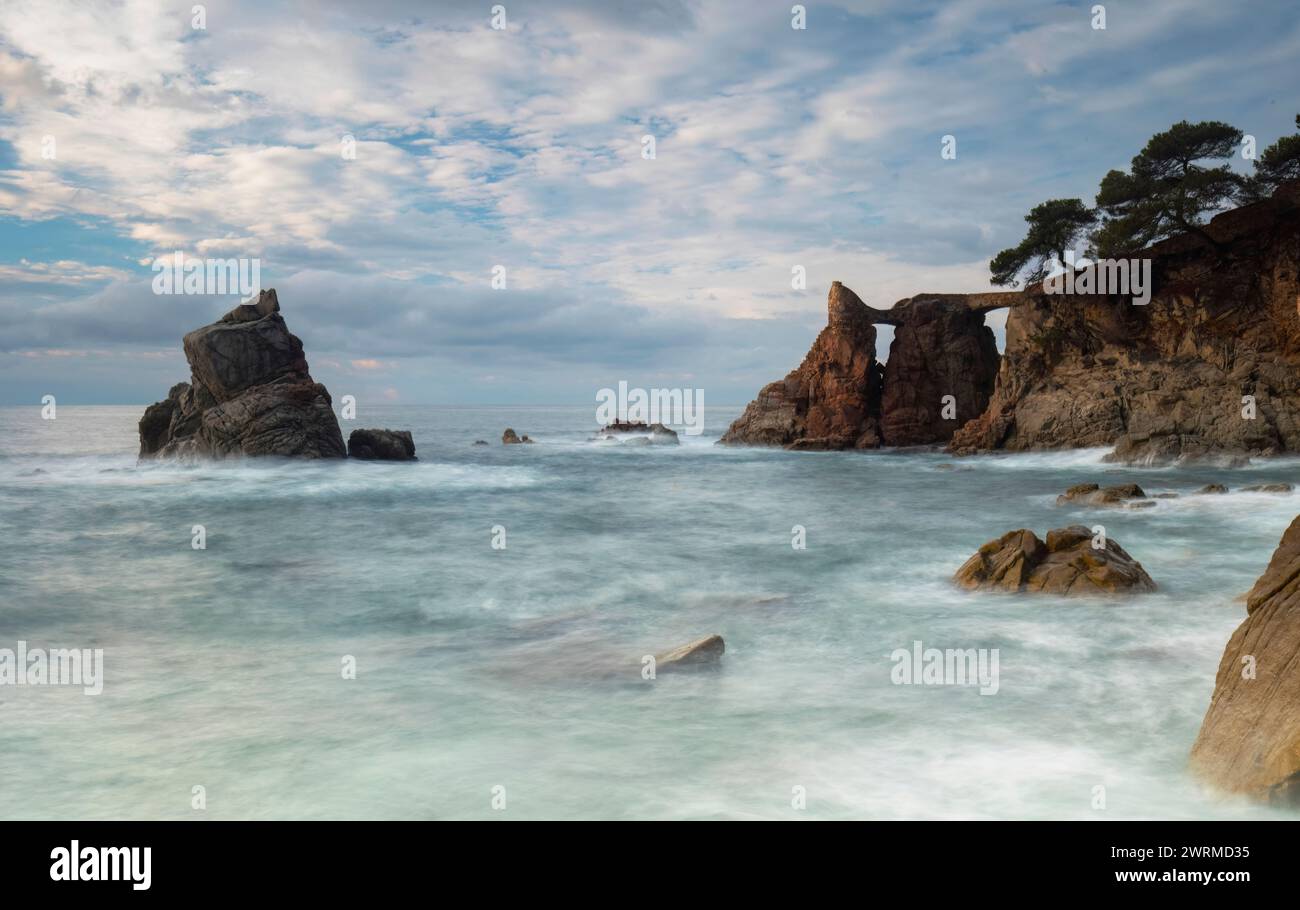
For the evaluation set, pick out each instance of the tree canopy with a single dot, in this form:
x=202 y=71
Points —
x=1167 y=189
x=1279 y=163
x=1180 y=176
x=1054 y=226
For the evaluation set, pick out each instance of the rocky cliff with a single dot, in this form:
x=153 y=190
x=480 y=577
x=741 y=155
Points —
x=1250 y=739
x=1168 y=380
x=249 y=394
x=841 y=397
x=1209 y=368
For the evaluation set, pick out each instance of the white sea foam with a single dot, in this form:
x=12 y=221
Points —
x=480 y=667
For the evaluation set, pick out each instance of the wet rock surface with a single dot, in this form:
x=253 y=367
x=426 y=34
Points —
x=1066 y=563
x=382 y=445
x=1249 y=742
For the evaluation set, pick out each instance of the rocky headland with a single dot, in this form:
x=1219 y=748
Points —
x=1206 y=370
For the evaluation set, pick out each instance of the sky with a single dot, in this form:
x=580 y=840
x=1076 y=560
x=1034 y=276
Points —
x=128 y=133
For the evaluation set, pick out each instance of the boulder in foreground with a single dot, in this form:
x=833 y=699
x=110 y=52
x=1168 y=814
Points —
x=1066 y=564
x=382 y=445
x=1250 y=739
x=249 y=394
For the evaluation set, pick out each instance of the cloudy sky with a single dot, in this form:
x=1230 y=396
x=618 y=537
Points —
x=522 y=147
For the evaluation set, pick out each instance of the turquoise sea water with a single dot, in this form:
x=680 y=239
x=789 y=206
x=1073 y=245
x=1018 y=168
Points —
x=520 y=668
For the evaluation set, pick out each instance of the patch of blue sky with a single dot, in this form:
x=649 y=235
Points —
x=94 y=241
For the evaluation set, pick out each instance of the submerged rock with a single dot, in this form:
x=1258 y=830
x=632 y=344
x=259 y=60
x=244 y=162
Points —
x=1066 y=564
x=510 y=438
x=1249 y=742
x=382 y=445
x=1094 y=495
x=638 y=431
x=699 y=653
x=249 y=393
x=1268 y=488
x=1212 y=489
x=480 y=442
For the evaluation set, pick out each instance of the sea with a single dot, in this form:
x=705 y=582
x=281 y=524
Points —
x=467 y=636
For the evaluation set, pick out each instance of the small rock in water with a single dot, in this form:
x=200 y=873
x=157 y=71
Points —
x=1094 y=495
x=700 y=653
x=1212 y=488
x=510 y=438
x=1268 y=488
x=637 y=433
x=480 y=442
x=1066 y=564
x=382 y=445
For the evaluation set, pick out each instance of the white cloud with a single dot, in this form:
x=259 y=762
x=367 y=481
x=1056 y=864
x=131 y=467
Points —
x=476 y=147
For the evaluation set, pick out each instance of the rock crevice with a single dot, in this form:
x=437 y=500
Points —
x=841 y=397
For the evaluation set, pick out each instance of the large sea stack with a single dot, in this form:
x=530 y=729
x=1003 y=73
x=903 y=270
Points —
x=249 y=394
x=841 y=397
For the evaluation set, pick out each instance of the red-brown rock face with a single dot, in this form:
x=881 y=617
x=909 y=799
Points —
x=832 y=401
x=1066 y=564
x=841 y=397
x=1250 y=739
x=941 y=349
x=1167 y=380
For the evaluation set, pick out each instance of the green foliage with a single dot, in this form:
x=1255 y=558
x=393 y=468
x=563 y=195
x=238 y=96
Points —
x=1167 y=189
x=1279 y=163
x=1054 y=226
